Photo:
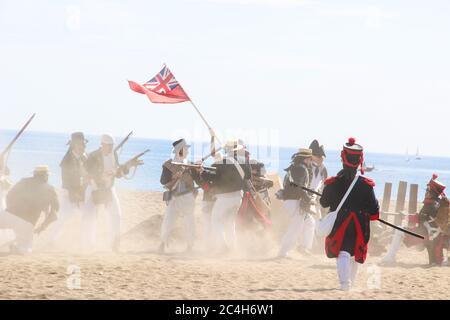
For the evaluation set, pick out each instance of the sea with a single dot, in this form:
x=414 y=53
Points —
x=36 y=148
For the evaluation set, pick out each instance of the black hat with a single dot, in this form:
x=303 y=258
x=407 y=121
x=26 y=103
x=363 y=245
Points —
x=77 y=136
x=179 y=144
x=317 y=150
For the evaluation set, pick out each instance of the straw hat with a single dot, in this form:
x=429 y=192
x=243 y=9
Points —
x=303 y=153
x=41 y=169
x=233 y=146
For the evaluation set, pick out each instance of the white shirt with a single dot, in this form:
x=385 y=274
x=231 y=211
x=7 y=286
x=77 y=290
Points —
x=109 y=168
x=318 y=177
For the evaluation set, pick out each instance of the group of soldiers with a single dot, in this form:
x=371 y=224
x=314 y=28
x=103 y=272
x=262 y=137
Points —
x=87 y=187
x=229 y=182
x=234 y=191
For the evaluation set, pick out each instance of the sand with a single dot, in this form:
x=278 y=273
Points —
x=138 y=272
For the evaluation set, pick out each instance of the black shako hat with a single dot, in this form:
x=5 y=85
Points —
x=317 y=150
x=352 y=154
x=435 y=185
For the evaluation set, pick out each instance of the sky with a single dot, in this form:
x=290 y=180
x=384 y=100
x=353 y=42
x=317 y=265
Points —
x=271 y=71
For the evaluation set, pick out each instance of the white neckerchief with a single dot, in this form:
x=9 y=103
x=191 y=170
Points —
x=317 y=180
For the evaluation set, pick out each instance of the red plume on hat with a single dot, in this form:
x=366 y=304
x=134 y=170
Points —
x=355 y=151
x=435 y=185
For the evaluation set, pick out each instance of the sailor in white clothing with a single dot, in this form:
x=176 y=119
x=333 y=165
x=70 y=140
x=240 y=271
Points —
x=317 y=178
x=180 y=196
x=228 y=180
x=103 y=168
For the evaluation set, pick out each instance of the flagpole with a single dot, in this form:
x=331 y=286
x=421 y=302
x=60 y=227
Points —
x=211 y=131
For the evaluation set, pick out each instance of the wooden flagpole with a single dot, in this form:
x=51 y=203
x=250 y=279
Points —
x=211 y=131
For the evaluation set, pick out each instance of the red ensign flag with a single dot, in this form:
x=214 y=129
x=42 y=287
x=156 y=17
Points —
x=162 y=88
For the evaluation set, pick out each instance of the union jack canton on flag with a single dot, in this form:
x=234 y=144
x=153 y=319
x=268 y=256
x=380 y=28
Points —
x=162 y=88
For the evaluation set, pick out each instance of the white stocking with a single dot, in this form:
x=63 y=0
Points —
x=344 y=269
x=394 y=246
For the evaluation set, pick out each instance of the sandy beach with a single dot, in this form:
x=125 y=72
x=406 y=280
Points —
x=138 y=272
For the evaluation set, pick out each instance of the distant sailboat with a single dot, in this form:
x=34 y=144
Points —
x=407 y=155
x=368 y=168
x=417 y=154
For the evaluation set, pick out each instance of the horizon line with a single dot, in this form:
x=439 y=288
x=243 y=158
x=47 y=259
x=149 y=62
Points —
x=412 y=156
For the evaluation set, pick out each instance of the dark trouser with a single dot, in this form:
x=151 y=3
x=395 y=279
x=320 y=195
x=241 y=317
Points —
x=435 y=249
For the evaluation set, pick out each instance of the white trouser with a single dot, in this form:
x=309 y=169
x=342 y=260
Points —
x=223 y=219
x=67 y=211
x=299 y=225
x=207 y=207
x=23 y=230
x=347 y=268
x=307 y=231
x=3 y=193
x=89 y=221
x=396 y=242
x=184 y=205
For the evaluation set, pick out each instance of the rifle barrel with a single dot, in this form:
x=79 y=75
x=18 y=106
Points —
x=139 y=155
x=188 y=165
x=9 y=146
x=210 y=154
x=120 y=145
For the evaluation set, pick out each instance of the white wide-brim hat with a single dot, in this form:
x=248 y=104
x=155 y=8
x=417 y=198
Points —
x=107 y=139
x=232 y=146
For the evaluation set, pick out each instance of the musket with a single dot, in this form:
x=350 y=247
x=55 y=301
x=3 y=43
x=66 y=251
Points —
x=379 y=219
x=138 y=156
x=120 y=145
x=17 y=136
x=210 y=154
x=192 y=165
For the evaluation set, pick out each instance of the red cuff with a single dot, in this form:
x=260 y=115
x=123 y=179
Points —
x=374 y=216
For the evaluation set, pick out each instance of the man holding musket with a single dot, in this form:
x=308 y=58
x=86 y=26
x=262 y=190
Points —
x=25 y=202
x=74 y=183
x=296 y=201
x=229 y=182
x=318 y=176
x=180 y=195
x=103 y=168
